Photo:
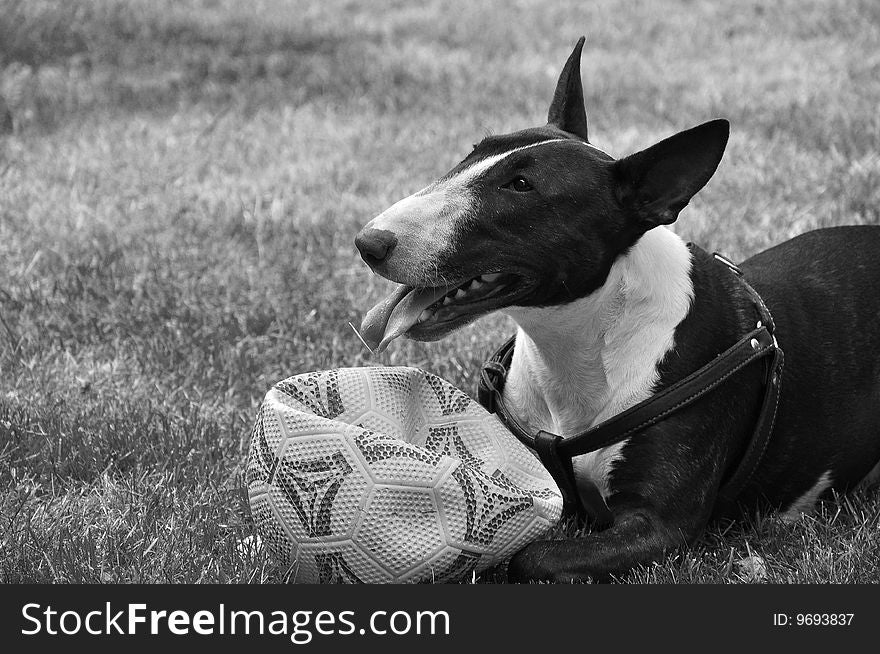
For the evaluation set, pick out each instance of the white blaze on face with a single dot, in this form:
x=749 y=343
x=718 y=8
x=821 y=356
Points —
x=426 y=222
x=426 y=227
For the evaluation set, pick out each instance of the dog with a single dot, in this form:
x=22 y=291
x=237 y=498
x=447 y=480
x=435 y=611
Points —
x=613 y=308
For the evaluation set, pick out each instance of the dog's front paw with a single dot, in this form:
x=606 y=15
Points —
x=548 y=560
x=532 y=563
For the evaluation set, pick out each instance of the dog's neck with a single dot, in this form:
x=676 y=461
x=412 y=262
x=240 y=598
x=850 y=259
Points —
x=577 y=364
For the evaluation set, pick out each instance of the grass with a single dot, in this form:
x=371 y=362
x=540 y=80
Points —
x=181 y=181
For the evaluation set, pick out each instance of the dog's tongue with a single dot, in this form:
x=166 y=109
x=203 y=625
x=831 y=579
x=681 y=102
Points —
x=395 y=314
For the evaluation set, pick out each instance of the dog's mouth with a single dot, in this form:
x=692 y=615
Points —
x=428 y=313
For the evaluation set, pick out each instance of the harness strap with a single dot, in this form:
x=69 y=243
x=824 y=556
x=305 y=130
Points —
x=742 y=475
x=556 y=452
x=546 y=446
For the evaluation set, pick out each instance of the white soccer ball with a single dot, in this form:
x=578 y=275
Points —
x=390 y=475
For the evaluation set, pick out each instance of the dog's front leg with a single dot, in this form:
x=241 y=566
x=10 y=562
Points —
x=638 y=536
x=663 y=492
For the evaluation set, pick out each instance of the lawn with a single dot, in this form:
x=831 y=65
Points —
x=181 y=183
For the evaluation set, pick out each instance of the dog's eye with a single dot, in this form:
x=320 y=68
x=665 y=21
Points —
x=520 y=185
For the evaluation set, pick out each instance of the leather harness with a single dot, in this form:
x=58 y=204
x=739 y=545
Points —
x=556 y=452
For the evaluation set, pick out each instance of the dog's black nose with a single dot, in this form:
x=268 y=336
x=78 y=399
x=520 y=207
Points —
x=375 y=245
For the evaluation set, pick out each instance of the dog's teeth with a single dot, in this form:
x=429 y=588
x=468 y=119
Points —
x=460 y=293
x=491 y=277
x=477 y=284
x=424 y=315
x=447 y=300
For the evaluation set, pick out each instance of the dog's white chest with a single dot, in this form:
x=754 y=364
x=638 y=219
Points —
x=579 y=364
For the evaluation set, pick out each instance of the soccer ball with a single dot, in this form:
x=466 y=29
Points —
x=390 y=475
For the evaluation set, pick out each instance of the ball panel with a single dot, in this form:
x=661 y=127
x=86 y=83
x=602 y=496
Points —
x=451 y=564
x=260 y=455
x=391 y=390
x=525 y=533
x=468 y=440
x=442 y=402
x=269 y=525
x=490 y=504
x=394 y=461
x=354 y=391
x=291 y=420
x=343 y=563
x=400 y=527
x=382 y=425
x=330 y=394
x=509 y=536
x=302 y=569
x=270 y=427
x=319 y=487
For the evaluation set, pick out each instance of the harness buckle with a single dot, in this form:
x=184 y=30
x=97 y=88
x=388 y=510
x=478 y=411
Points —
x=492 y=373
x=492 y=376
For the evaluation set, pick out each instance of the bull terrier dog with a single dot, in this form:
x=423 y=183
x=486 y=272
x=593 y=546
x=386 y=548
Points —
x=614 y=310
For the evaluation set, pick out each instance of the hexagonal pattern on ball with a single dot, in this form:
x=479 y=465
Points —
x=468 y=440
x=394 y=461
x=341 y=563
x=392 y=395
x=400 y=527
x=432 y=490
x=318 y=487
x=330 y=394
x=441 y=402
x=271 y=529
x=382 y=424
x=492 y=507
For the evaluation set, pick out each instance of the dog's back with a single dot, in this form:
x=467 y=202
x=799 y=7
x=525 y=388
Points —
x=823 y=289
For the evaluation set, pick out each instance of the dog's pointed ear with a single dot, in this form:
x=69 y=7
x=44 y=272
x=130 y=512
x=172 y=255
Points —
x=567 y=109
x=654 y=185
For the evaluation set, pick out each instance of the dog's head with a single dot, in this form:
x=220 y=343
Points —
x=531 y=218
